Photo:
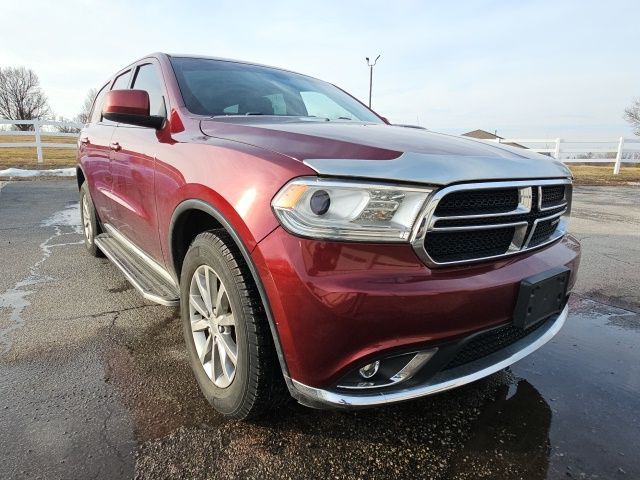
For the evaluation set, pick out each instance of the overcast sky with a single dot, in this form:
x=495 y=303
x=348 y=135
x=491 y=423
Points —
x=528 y=69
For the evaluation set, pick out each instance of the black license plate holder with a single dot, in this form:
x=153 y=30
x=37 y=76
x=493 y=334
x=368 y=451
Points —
x=541 y=296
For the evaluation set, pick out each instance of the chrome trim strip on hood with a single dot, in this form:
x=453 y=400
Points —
x=435 y=169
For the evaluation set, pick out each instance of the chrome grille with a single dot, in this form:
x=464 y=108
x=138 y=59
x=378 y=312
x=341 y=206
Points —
x=473 y=222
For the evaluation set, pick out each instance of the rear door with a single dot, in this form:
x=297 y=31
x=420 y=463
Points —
x=93 y=152
x=133 y=166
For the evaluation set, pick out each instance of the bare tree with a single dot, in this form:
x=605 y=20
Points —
x=21 y=97
x=632 y=115
x=62 y=128
x=83 y=116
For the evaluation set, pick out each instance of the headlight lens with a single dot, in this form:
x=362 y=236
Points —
x=349 y=210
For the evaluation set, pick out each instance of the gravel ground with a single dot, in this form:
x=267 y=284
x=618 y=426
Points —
x=94 y=381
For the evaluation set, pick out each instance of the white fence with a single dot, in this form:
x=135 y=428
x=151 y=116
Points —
x=616 y=151
x=40 y=128
x=598 y=150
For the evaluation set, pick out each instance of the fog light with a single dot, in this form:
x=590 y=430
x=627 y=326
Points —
x=388 y=371
x=370 y=370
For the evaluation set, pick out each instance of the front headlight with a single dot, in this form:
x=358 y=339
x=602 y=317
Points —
x=349 y=210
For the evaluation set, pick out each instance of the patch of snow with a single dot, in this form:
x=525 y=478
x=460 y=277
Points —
x=15 y=299
x=54 y=172
x=69 y=217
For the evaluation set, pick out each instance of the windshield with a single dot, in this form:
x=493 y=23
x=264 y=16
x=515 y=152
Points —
x=218 y=87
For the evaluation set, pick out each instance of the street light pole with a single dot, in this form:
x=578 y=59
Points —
x=371 y=65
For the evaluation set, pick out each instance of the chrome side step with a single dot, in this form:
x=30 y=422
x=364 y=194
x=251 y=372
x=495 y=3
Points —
x=149 y=278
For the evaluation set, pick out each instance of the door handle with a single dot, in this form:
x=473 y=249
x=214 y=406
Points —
x=115 y=146
x=84 y=140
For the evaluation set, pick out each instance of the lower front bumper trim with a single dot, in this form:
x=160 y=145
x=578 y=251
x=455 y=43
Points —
x=445 y=380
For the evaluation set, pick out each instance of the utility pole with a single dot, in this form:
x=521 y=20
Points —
x=371 y=65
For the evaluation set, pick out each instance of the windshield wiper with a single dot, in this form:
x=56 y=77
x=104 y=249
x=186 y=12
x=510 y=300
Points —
x=251 y=114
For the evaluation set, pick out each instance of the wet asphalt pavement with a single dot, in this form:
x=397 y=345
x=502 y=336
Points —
x=94 y=382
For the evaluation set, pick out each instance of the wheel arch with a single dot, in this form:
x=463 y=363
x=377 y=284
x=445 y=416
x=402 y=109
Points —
x=179 y=218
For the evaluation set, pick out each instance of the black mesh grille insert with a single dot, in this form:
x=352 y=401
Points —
x=522 y=217
x=476 y=202
x=552 y=195
x=490 y=342
x=463 y=245
x=543 y=231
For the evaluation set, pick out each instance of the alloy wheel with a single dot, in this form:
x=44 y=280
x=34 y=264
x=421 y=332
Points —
x=213 y=326
x=86 y=219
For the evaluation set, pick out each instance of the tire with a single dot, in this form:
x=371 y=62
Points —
x=89 y=222
x=254 y=384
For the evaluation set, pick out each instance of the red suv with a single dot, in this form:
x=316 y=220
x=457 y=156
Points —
x=312 y=246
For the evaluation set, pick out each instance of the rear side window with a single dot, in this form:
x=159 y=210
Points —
x=96 y=112
x=148 y=78
x=122 y=81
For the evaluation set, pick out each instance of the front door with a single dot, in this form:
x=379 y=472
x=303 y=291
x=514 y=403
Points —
x=94 y=155
x=133 y=154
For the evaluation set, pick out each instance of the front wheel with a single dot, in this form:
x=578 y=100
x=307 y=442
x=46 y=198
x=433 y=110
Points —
x=228 y=340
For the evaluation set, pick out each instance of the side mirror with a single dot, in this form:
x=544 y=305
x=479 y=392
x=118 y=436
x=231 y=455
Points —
x=130 y=107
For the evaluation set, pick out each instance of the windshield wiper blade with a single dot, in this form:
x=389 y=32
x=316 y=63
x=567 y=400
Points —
x=255 y=114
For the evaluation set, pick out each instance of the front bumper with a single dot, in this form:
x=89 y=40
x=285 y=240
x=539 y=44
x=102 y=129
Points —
x=445 y=380
x=338 y=305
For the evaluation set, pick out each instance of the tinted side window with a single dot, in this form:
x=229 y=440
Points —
x=122 y=81
x=147 y=78
x=96 y=112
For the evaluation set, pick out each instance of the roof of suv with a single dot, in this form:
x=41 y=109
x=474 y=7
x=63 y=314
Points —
x=222 y=59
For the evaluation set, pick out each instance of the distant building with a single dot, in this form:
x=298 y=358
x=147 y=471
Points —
x=484 y=135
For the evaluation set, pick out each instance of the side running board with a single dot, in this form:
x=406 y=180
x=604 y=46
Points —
x=146 y=275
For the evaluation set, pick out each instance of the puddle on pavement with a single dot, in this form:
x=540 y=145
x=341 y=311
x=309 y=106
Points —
x=146 y=363
x=593 y=305
x=515 y=424
x=64 y=222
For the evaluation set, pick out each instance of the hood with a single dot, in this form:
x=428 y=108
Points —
x=385 y=152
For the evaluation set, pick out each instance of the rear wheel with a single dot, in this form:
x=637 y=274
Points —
x=228 y=339
x=89 y=221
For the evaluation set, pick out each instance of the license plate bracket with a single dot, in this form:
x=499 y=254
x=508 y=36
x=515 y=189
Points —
x=541 y=296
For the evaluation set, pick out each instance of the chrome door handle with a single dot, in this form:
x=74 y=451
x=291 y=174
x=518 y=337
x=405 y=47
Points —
x=115 y=146
x=84 y=140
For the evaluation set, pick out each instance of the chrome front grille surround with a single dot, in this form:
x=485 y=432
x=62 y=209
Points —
x=473 y=222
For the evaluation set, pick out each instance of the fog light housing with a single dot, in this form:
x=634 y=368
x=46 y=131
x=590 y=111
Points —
x=369 y=370
x=387 y=371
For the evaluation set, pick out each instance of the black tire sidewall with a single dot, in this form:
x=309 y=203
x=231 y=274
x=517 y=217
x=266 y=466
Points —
x=228 y=400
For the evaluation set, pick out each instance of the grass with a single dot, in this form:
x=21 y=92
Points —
x=603 y=175
x=26 y=157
